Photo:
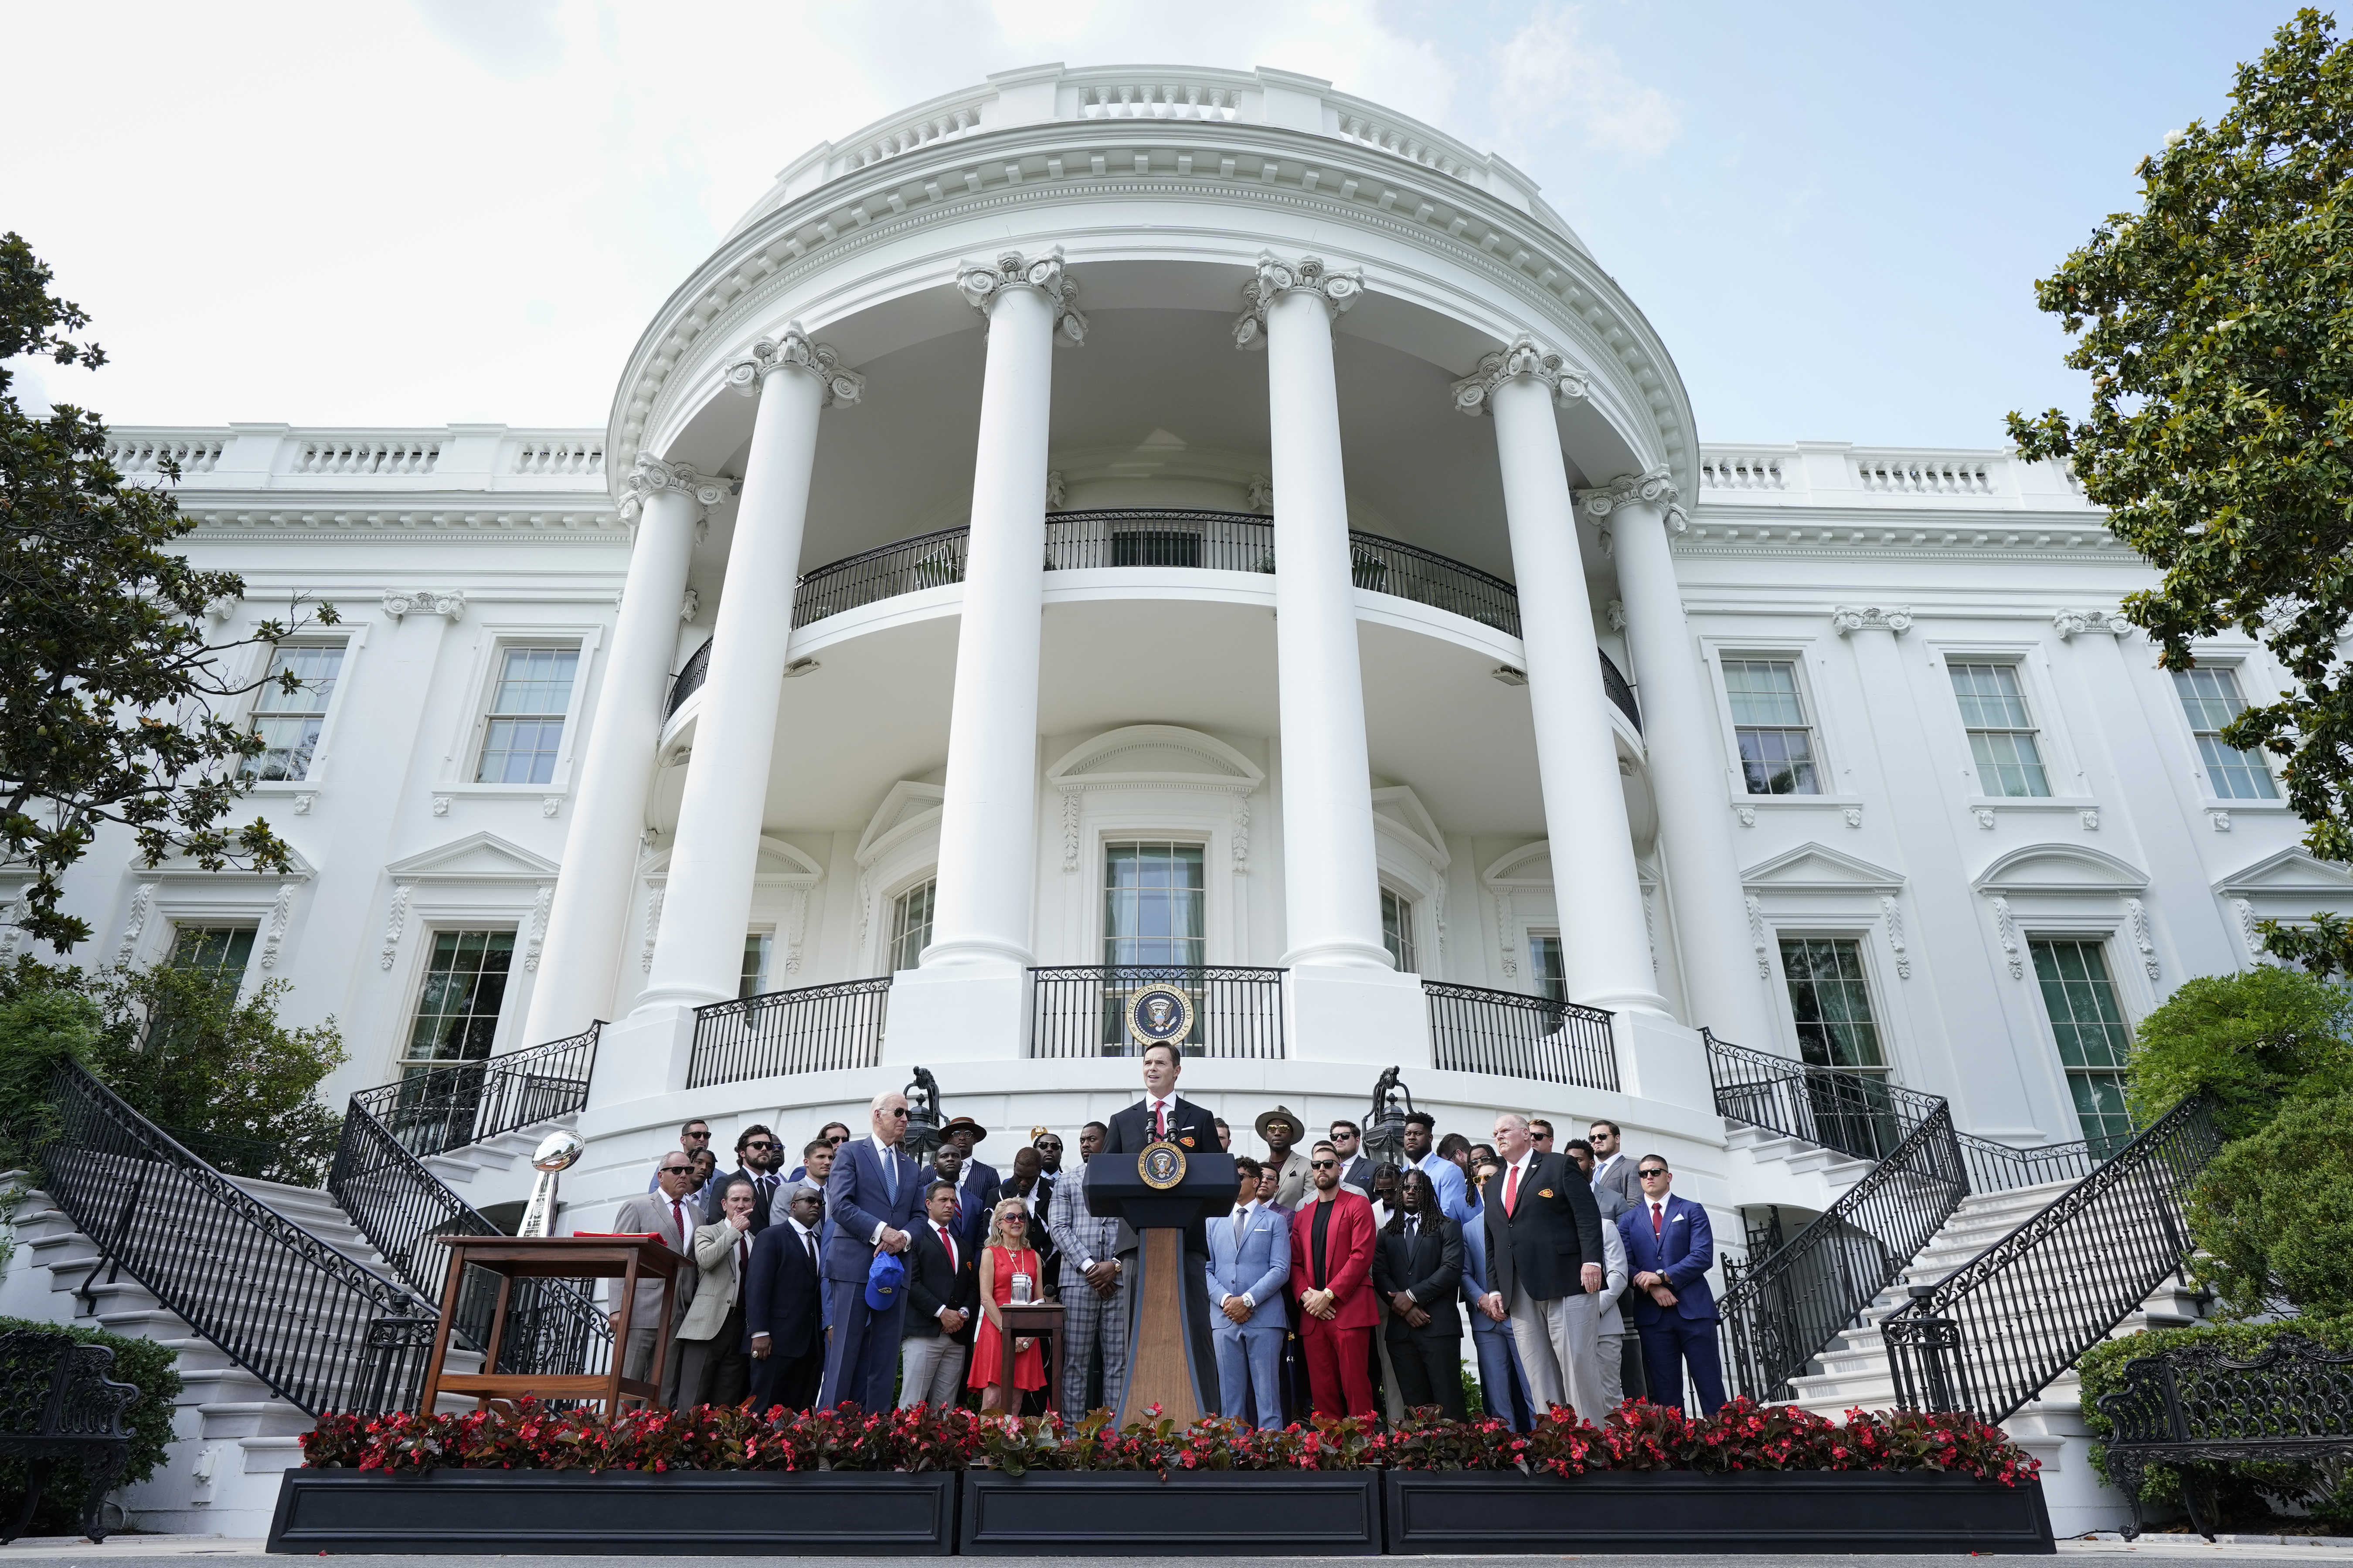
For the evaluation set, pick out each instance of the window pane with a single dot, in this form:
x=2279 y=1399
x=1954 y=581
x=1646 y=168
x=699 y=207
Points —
x=457 y=1008
x=2079 y=998
x=212 y=949
x=535 y=680
x=1153 y=905
x=317 y=669
x=1989 y=697
x=1831 y=1002
x=1552 y=977
x=288 y=721
x=1779 y=762
x=1397 y=930
x=520 y=750
x=2209 y=696
x=754 y=978
x=535 y=686
x=911 y=925
x=2009 y=763
x=1768 y=716
x=2002 y=735
x=1763 y=691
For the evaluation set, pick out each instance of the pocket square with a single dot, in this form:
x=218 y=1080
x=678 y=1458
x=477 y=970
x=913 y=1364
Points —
x=1544 y=1192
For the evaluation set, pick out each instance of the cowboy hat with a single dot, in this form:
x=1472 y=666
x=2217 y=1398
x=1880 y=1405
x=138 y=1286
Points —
x=1281 y=1113
x=965 y=1123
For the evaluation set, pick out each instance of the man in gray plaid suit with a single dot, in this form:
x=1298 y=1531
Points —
x=1094 y=1287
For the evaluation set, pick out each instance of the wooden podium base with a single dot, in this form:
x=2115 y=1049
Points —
x=1159 y=1370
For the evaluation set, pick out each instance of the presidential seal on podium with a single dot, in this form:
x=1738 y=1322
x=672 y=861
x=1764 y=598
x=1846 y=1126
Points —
x=1160 y=1166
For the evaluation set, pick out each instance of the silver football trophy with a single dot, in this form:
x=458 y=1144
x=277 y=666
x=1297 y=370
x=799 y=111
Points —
x=555 y=1153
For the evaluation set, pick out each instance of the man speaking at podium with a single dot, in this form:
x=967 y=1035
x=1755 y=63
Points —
x=1161 y=1115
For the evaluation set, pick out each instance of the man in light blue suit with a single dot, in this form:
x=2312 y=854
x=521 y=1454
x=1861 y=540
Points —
x=871 y=1197
x=1445 y=1175
x=1502 y=1384
x=1250 y=1259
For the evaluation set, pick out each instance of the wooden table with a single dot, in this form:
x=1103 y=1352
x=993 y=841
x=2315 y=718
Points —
x=1027 y=1318
x=512 y=1257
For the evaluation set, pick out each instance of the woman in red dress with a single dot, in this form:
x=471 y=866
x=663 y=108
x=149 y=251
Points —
x=1009 y=1253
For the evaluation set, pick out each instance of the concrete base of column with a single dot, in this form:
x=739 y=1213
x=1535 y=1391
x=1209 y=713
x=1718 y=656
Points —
x=962 y=1013
x=1375 y=1016
x=646 y=1054
x=1660 y=1059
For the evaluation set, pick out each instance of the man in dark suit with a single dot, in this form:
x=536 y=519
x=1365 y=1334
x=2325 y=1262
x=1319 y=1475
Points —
x=1545 y=1266
x=1160 y=1115
x=979 y=1184
x=942 y=1299
x=872 y=1197
x=759 y=1159
x=784 y=1308
x=1670 y=1246
x=1416 y=1266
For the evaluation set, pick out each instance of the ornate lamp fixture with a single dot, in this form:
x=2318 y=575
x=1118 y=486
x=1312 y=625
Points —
x=1385 y=1123
x=923 y=1139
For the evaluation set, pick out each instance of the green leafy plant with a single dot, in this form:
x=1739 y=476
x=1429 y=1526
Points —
x=2254 y=1042
x=146 y=1365
x=2273 y=1213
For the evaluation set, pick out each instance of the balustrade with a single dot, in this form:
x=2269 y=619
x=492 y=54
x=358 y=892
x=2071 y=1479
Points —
x=1506 y=1033
x=817 y=1029
x=1080 y=1010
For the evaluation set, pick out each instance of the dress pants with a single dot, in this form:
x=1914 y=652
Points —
x=864 y=1356
x=1502 y=1384
x=1250 y=1373
x=1674 y=1342
x=714 y=1371
x=1609 y=1365
x=1338 y=1367
x=789 y=1381
x=931 y=1371
x=1092 y=1322
x=1428 y=1371
x=1554 y=1340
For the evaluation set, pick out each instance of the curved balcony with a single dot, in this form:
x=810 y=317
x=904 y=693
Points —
x=1155 y=536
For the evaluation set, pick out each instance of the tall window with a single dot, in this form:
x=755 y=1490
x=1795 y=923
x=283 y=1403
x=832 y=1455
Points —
x=458 y=1011
x=219 y=951
x=2080 y=998
x=911 y=925
x=1831 y=1002
x=1153 y=904
x=2001 y=733
x=526 y=722
x=1551 y=976
x=2211 y=696
x=1397 y=930
x=288 y=721
x=1769 y=717
x=753 y=981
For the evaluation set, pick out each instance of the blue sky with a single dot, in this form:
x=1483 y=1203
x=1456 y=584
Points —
x=456 y=210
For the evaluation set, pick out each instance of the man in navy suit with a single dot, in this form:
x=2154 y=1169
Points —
x=1668 y=1248
x=979 y=1184
x=871 y=1197
x=783 y=1328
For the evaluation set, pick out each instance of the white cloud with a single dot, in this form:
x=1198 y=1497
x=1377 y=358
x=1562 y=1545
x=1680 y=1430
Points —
x=1551 y=75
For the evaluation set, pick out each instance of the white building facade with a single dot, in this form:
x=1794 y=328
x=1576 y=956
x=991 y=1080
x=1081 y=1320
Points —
x=1187 y=521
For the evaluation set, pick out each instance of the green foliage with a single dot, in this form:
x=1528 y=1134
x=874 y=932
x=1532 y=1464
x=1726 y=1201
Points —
x=2219 y=437
x=114 y=706
x=39 y=1028
x=143 y=1363
x=2272 y=1215
x=2253 y=1041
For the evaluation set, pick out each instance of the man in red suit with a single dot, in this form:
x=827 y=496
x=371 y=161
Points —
x=1331 y=1276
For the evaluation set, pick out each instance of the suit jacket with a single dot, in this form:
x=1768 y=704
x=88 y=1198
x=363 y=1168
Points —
x=856 y=1200
x=1615 y=1272
x=1291 y=1187
x=977 y=1190
x=1621 y=1179
x=784 y=1299
x=1348 y=1256
x=934 y=1282
x=1259 y=1268
x=651 y=1215
x=1358 y=1174
x=1683 y=1252
x=1552 y=1233
x=1431 y=1266
x=1081 y=1235
x=719 y=1282
x=1194 y=1130
x=1474 y=1274
x=711 y=1211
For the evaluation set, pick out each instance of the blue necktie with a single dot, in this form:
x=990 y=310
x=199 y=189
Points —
x=890 y=1174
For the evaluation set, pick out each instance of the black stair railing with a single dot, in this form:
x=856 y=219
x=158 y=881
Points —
x=280 y=1302
x=1993 y=1334
x=436 y=1109
x=1858 y=1114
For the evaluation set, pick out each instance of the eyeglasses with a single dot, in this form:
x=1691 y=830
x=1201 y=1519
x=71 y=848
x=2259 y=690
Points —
x=759 y=1143
x=701 y=1137
x=901 y=1113
x=678 y=1170
x=1647 y=1171
x=1322 y=1165
x=837 y=1142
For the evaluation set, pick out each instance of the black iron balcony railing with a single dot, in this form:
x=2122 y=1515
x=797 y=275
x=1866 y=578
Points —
x=817 y=1029
x=1473 y=1029
x=1613 y=682
x=1080 y=1010
x=696 y=670
x=1857 y=1113
x=436 y=1108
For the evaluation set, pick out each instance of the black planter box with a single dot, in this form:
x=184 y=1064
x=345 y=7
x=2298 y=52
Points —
x=689 y=1513
x=1124 y=1513
x=1658 y=1512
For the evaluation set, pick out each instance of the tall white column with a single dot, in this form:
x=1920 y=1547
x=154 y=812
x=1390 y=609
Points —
x=1604 y=938
x=1331 y=887
x=707 y=903
x=578 y=959
x=1687 y=764
x=988 y=817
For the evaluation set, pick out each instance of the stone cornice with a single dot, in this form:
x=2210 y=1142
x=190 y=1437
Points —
x=982 y=284
x=457 y=523
x=1857 y=533
x=1337 y=287
x=1522 y=356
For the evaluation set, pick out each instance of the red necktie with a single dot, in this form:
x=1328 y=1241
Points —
x=1160 y=1120
x=1658 y=1221
x=1510 y=1190
x=946 y=1242
x=685 y=1236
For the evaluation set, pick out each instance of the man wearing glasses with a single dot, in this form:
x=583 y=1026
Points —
x=669 y=1213
x=871 y=1198
x=693 y=1138
x=759 y=1159
x=834 y=1135
x=1356 y=1167
x=1332 y=1280
x=1670 y=1245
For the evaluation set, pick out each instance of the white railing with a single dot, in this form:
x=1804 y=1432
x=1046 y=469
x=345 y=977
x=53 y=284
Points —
x=1834 y=474
x=1406 y=139
x=1942 y=475
x=141 y=452
x=368 y=456
x=1158 y=100
x=462 y=458
x=1741 y=471
x=558 y=457
x=928 y=124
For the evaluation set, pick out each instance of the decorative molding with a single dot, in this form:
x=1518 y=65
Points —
x=143 y=899
x=689 y=606
x=1892 y=913
x=394 y=924
x=1072 y=808
x=2090 y=817
x=304 y=802
x=795 y=351
x=1757 y=938
x=281 y=914
x=1848 y=619
x=1058 y=491
x=1520 y=357
x=1747 y=813
x=2221 y=819
x=549 y=804
x=2071 y=624
x=540 y=905
x=1984 y=813
x=450 y=602
x=1337 y=287
x=1242 y=839
x=1853 y=814
x=797 y=928
x=2137 y=913
x=650 y=476
x=865 y=906
x=1262 y=494
x=1615 y=614
x=2005 y=925
x=653 y=931
x=2254 y=939
x=1652 y=487
x=1503 y=927
x=1650 y=924
x=221 y=608
x=441 y=805
x=982 y=285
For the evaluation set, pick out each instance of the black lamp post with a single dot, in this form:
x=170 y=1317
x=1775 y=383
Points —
x=1385 y=1124
x=922 y=1138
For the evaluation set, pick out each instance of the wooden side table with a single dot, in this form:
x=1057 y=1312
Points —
x=1027 y=1317
x=511 y=1258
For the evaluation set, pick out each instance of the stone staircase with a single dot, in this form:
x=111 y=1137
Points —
x=1768 y=1168
x=497 y=1168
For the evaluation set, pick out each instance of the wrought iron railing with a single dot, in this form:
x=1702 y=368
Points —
x=1408 y=572
x=1786 y=1307
x=1991 y=1335
x=1080 y=1010
x=1159 y=536
x=279 y=1301
x=1473 y=1029
x=1856 y=1114
x=690 y=677
x=436 y=1109
x=817 y=1029
x=1614 y=683
x=908 y=566
x=1999 y=1167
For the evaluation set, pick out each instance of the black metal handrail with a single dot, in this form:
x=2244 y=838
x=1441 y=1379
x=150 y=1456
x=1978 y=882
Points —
x=1993 y=1334
x=444 y=1107
x=1080 y=1009
x=1392 y=566
x=1159 y=536
x=2000 y=1167
x=1786 y=1307
x=817 y=1029
x=905 y=566
x=279 y=1301
x=1856 y=1114
x=690 y=677
x=1614 y=683
x=1505 y=1032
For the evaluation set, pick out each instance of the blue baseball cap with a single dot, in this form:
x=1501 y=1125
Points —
x=883 y=1280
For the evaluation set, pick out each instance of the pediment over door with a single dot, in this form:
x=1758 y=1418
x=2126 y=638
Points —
x=2062 y=869
x=477 y=857
x=906 y=810
x=2291 y=871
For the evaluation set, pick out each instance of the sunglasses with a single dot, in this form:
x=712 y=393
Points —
x=759 y=1143
x=1322 y=1165
x=837 y=1142
x=1649 y=1172
x=678 y=1170
x=697 y=1137
x=901 y=1113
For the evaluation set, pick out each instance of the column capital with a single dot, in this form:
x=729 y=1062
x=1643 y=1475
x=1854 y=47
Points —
x=981 y=284
x=1650 y=487
x=1337 y=287
x=1895 y=620
x=795 y=350
x=651 y=475
x=2073 y=623
x=1523 y=356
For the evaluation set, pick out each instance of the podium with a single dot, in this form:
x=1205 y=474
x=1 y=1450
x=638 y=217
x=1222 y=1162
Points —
x=1162 y=1193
